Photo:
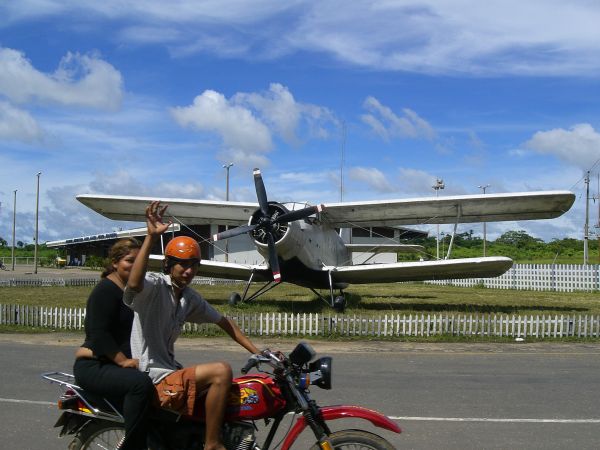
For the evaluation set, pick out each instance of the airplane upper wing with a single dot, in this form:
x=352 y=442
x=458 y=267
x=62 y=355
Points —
x=422 y=270
x=464 y=208
x=196 y=212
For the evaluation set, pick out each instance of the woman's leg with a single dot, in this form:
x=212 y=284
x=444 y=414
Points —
x=133 y=386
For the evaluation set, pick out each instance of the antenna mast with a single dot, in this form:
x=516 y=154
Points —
x=342 y=150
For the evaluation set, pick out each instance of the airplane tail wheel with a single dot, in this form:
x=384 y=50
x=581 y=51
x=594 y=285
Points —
x=339 y=303
x=234 y=299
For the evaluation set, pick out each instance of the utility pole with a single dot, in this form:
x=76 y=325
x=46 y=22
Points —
x=37 y=209
x=14 y=223
x=484 y=187
x=598 y=225
x=587 y=218
x=227 y=167
x=439 y=184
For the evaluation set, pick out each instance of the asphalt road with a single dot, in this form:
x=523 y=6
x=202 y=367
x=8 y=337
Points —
x=443 y=396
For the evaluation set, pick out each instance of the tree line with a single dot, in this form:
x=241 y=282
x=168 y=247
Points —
x=518 y=245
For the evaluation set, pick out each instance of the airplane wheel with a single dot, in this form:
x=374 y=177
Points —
x=234 y=298
x=339 y=303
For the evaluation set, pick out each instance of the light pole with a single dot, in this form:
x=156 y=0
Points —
x=14 y=223
x=484 y=187
x=37 y=209
x=439 y=184
x=227 y=167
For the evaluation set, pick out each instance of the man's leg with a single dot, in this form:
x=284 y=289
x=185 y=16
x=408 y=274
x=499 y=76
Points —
x=217 y=378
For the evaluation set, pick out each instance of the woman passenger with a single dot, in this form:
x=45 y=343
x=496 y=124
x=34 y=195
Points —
x=103 y=363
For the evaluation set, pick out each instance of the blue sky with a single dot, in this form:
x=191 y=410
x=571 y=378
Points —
x=152 y=98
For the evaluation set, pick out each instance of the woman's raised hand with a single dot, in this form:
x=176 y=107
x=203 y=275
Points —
x=154 y=218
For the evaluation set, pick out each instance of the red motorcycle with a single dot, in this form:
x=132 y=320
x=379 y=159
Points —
x=97 y=422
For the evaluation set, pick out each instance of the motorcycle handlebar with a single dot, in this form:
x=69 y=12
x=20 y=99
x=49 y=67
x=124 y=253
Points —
x=252 y=362
x=266 y=356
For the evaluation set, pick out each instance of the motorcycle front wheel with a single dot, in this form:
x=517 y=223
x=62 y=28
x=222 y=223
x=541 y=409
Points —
x=357 y=440
x=98 y=435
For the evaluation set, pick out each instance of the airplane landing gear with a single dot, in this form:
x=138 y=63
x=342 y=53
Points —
x=234 y=299
x=339 y=303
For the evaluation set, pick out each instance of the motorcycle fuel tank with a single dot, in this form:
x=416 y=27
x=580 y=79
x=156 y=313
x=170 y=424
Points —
x=253 y=397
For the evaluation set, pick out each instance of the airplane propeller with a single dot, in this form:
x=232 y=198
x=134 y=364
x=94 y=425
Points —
x=269 y=222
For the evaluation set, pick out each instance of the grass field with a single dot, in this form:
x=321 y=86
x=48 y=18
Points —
x=409 y=298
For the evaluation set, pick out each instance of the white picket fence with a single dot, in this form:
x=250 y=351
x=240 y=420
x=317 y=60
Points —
x=538 y=277
x=386 y=326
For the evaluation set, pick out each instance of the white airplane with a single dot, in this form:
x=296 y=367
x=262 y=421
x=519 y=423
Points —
x=304 y=247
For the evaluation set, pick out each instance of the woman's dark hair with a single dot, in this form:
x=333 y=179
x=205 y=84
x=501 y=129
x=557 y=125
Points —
x=118 y=251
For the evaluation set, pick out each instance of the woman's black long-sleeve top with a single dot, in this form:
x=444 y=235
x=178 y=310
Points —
x=107 y=321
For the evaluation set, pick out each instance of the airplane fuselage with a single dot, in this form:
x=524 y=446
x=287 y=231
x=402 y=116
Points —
x=306 y=247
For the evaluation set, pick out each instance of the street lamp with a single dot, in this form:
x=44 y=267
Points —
x=484 y=187
x=227 y=167
x=37 y=208
x=14 y=223
x=439 y=184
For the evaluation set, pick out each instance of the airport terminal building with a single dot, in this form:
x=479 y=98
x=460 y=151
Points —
x=239 y=249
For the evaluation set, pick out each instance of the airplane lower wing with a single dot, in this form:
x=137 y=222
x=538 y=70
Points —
x=456 y=209
x=422 y=270
x=219 y=269
x=234 y=271
x=385 y=248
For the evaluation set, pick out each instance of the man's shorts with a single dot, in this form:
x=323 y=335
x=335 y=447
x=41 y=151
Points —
x=177 y=391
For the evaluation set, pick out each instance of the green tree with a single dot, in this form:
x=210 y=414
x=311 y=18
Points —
x=519 y=239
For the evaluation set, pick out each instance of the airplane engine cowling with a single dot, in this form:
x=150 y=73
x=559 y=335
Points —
x=278 y=230
x=288 y=236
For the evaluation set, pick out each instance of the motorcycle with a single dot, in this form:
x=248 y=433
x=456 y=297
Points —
x=270 y=395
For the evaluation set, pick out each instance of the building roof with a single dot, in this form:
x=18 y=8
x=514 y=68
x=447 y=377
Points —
x=107 y=236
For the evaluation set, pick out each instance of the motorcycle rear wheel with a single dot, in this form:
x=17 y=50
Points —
x=98 y=435
x=357 y=440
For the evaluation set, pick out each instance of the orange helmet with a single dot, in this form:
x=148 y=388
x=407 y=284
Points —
x=183 y=248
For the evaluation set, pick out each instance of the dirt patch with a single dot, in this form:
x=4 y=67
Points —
x=325 y=346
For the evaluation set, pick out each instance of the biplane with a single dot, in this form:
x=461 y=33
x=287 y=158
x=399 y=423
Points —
x=307 y=245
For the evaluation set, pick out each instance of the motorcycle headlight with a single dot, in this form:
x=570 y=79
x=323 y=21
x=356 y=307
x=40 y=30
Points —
x=320 y=371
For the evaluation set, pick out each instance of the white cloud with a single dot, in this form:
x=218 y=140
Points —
x=387 y=124
x=80 y=80
x=237 y=126
x=372 y=177
x=579 y=145
x=248 y=122
x=278 y=107
x=285 y=115
x=416 y=181
x=19 y=125
x=537 y=37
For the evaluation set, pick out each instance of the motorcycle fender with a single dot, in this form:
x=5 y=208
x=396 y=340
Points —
x=70 y=423
x=342 y=412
